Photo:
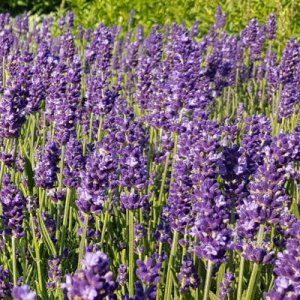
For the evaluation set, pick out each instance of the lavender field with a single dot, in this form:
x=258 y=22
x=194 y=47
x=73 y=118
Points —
x=160 y=166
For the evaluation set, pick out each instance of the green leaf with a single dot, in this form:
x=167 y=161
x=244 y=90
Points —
x=213 y=296
x=45 y=234
x=29 y=174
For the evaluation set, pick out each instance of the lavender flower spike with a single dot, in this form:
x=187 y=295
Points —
x=23 y=293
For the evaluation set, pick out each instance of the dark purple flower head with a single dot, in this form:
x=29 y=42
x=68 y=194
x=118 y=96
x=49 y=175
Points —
x=132 y=200
x=74 y=163
x=287 y=283
x=226 y=286
x=249 y=34
x=259 y=254
x=133 y=168
x=289 y=101
x=210 y=226
x=15 y=95
x=148 y=271
x=258 y=45
x=47 y=166
x=13 y=206
x=54 y=273
x=141 y=293
x=23 y=293
x=5 y=284
x=220 y=18
x=122 y=274
x=93 y=281
x=97 y=179
x=289 y=61
x=271 y=27
x=188 y=276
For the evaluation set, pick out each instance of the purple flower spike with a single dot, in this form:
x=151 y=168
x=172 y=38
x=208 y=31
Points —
x=226 y=286
x=93 y=281
x=47 y=166
x=287 y=283
x=148 y=271
x=23 y=293
x=188 y=276
x=13 y=205
x=5 y=284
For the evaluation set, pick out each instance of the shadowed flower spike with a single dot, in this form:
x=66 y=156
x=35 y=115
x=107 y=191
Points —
x=226 y=286
x=5 y=284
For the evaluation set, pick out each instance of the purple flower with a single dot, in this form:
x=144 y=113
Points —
x=289 y=101
x=122 y=274
x=15 y=95
x=289 y=61
x=13 y=206
x=5 y=284
x=226 y=286
x=47 y=166
x=210 y=226
x=249 y=34
x=74 y=163
x=188 y=276
x=54 y=273
x=148 y=271
x=23 y=293
x=96 y=180
x=287 y=283
x=220 y=18
x=271 y=27
x=93 y=281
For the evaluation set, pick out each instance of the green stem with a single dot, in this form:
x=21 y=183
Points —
x=106 y=218
x=169 y=282
x=208 y=280
x=14 y=259
x=82 y=241
x=256 y=267
x=252 y=286
x=60 y=186
x=65 y=221
x=241 y=276
x=38 y=258
x=131 y=252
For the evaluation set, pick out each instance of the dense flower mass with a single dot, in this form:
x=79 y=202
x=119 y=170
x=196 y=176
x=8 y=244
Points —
x=142 y=165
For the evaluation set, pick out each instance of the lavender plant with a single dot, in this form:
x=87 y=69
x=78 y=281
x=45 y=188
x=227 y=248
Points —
x=159 y=166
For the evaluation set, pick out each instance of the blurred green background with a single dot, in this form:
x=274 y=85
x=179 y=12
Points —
x=90 y=12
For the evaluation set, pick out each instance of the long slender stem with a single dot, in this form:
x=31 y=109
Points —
x=208 y=280
x=131 y=252
x=251 y=287
x=241 y=276
x=65 y=221
x=82 y=241
x=169 y=281
x=106 y=218
x=60 y=186
x=14 y=259
x=37 y=255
